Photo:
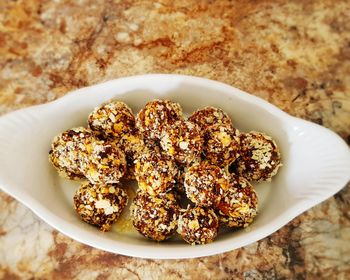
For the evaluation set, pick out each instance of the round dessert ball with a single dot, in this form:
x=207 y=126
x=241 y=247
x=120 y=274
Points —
x=155 y=217
x=100 y=205
x=198 y=225
x=155 y=172
x=221 y=144
x=208 y=116
x=183 y=141
x=154 y=118
x=112 y=119
x=105 y=163
x=238 y=207
x=259 y=158
x=68 y=149
x=132 y=145
x=205 y=184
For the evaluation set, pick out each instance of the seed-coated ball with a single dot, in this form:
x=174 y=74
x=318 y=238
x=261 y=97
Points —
x=100 y=205
x=198 y=225
x=259 y=158
x=238 y=207
x=68 y=149
x=132 y=145
x=112 y=119
x=155 y=172
x=221 y=144
x=156 y=116
x=155 y=217
x=205 y=184
x=105 y=163
x=208 y=116
x=183 y=141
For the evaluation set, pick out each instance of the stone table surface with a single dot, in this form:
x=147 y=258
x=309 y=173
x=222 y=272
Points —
x=295 y=54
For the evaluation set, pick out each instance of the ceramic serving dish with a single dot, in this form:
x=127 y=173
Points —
x=316 y=161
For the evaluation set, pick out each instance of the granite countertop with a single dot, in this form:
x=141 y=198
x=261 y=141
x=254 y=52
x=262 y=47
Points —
x=295 y=54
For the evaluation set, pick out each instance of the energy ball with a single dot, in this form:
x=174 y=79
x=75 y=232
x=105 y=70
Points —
x=112 y=119
x=132 y=145
x=156 y=116
x=105 y=164
x=68 y=149
x=238 y=207
x=260 y=158
x=208 y=116
x=155 y=217
x=221 y=144
x=198 y=225
x=155 y=172
x=183 y=141
x=205 y=184
x=100 y=205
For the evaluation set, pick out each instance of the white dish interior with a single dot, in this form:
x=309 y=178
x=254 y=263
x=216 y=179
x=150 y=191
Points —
x=316 y=162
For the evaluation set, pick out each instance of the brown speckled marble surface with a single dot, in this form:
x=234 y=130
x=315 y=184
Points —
x=295 y=54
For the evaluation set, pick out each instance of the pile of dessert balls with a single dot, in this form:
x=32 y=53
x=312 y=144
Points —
x=193 y=174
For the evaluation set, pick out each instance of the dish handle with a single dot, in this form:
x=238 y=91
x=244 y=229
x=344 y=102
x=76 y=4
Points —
x=320 y=160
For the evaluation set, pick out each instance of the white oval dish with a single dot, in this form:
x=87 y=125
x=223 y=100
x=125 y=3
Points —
x=316 y=160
